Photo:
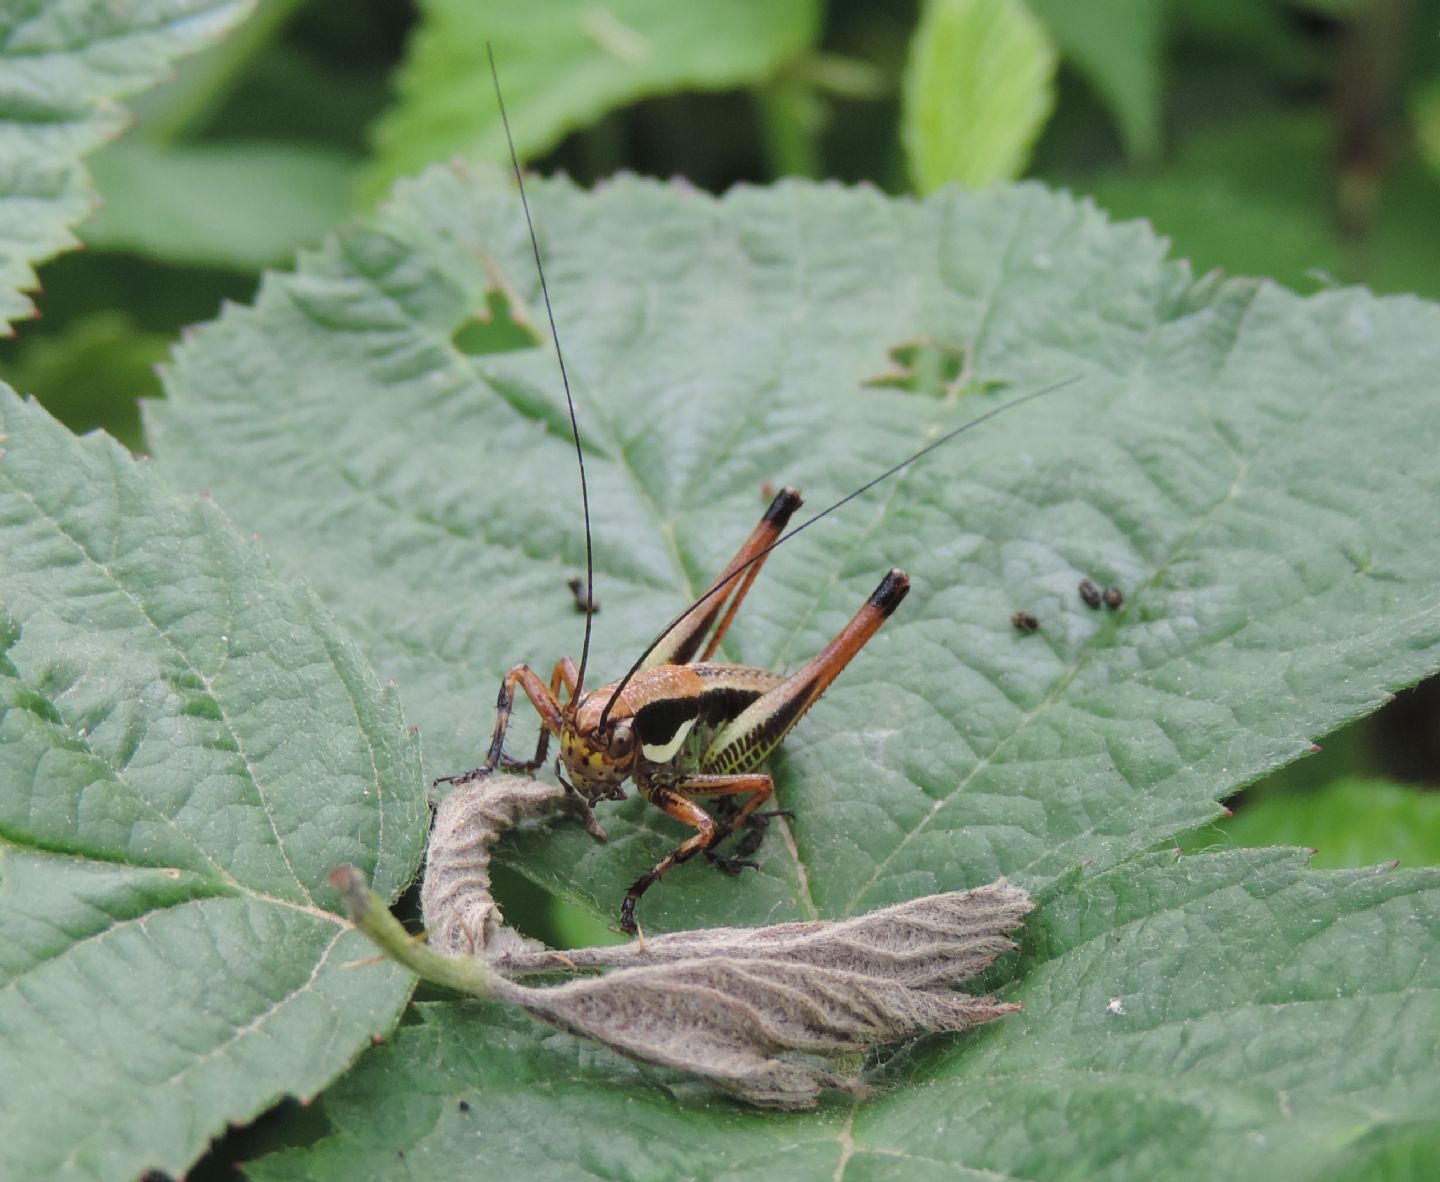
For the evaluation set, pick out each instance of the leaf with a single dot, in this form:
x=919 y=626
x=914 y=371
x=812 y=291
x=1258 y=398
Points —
x=186 y=748
x=1350 y=822
x=1233 y=1015
x=1424 y=109
x=241 y=206
x=566 y=64
x=1253 y=196
x=1119 y=49
x=769 y=1014
x=1218 y=223
x=978 y=88
x=64 y=62
x=1252 y=468
x=93 y=373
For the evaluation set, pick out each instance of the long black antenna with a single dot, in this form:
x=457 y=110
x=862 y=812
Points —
x=808 y=522
x=564 y=379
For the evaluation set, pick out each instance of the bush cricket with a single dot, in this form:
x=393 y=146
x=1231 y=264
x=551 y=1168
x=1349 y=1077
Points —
x=684 y=727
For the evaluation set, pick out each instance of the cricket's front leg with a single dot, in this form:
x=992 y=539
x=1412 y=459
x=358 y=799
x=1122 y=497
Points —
x=673 y=799
x=547 y=705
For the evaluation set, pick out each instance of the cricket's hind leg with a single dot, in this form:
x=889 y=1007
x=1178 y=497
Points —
x=755 y=826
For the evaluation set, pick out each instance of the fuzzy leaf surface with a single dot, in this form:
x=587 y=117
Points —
x=1253 y=468
x=186 y=748
x=1232 y=1015
x=565 y=64
x=63 y=63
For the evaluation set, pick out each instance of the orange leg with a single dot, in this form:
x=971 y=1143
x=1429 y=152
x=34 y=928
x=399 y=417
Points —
x=669 y=798
x=748 y=739
x=680 y=646
x=547 y=706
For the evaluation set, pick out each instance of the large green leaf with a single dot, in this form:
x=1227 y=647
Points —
x=566 y=63
x=62 y=65
x=186 y=748
x=1252 y=468
x=1228 y=1016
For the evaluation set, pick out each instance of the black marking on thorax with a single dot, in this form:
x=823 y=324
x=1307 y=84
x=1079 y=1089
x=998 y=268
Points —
x=657 y=724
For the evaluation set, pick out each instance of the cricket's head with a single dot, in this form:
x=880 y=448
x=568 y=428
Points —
x=598 y=758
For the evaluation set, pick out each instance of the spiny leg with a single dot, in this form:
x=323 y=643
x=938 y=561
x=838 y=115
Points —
x=670 y=800
x=547 y=706
x=562 y=676
x=726 y=788
x=747 y=740
x=756 y=825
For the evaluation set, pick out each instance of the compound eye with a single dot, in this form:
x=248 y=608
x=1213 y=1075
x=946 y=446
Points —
x=622 y=741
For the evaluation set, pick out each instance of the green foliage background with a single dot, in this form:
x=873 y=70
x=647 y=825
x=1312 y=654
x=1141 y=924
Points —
x=1290 y=140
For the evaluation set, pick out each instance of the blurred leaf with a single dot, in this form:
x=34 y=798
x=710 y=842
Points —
x=93 y=374
x=1403 y=253
x=200 y=83
x=62 y=65
x=1119 y=48
x=1229 y=1016
x=1350 y=822
x=978 y=88
x=1241 y=31
x=186 y=748
x=1255 y=197
x=1425 y=115
x=1284 y=156
x=565 y=64
x=233 y=205
x=1337 y=9
x=1255 y=470
x=1215 y=224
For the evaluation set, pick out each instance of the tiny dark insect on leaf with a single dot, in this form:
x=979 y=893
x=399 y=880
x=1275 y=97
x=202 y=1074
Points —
x=1090 y=593
x=1025 y=622
x=583 y=602
x=1114 y=598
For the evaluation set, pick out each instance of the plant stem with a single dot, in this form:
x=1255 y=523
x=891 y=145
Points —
x=367 y=910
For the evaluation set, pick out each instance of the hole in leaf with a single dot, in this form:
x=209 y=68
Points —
x=925 y=366
x=533 y=911
x=500 y=327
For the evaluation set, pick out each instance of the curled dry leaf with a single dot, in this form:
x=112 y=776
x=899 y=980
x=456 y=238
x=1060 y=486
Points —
x=461 y=918
x=763 y=1026
x=760 y=1012
x=927 y=942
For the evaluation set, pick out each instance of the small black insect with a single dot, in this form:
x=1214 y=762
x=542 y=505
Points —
x=1090 y=594
x=1025 y=622
x=1114 y=598
x=583 y=603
